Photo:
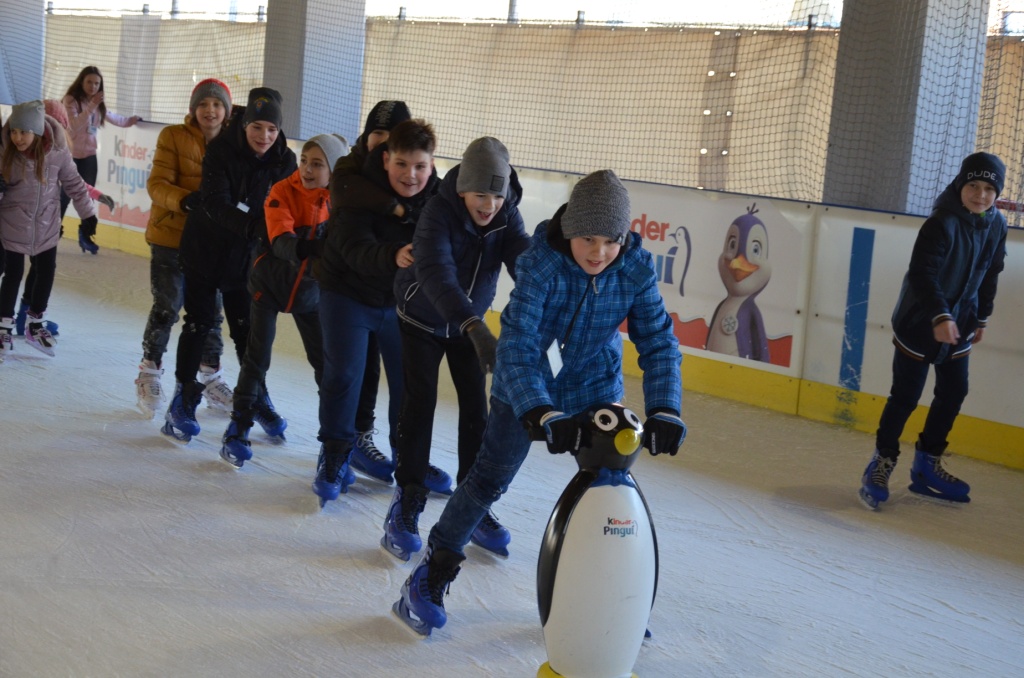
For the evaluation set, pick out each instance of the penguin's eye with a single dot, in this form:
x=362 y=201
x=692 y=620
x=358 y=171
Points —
x=731 y=244
x=606 y=420
x=755 y=249
x=632 y=418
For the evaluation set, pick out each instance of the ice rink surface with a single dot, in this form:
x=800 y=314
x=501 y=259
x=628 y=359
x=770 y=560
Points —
x=123 y=553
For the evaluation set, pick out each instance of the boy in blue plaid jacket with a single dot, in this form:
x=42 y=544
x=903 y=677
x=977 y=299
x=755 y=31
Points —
x=559 y=352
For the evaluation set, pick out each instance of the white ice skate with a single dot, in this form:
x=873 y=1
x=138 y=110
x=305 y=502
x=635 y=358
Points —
x=219 y=395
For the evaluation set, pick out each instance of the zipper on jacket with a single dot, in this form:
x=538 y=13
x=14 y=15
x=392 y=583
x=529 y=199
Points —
x=576 y=314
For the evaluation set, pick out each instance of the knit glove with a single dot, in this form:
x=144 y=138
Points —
x=190 y=201
x=105 y=199
x=561 y=431
x=484 y=343
x=89 y=226
x=664 y=432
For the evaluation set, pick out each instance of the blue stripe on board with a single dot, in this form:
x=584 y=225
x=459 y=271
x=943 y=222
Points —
x=856 y=322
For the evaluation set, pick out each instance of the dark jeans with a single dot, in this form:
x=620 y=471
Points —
x=505 y=446
x=37 y=288
x=200 y=319
x=262 y=331
x=166 y=283
x=421 y=358
x=347 y=327
x=88 y=169
x=908 y=379
x=371 y=383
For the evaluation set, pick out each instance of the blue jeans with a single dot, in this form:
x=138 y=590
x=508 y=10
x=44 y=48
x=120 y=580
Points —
x=347 y=328
x=506 y=444
x=908 y=379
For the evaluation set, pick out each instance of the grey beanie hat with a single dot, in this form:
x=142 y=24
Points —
x=333 y=145
x=29 y=116
x=484 y=168
x=211 y=88
x=598 y=205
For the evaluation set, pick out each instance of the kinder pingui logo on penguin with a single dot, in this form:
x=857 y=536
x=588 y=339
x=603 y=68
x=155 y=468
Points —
x=620 y=528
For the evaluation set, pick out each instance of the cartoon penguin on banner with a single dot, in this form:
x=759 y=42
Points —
x=737 y=328
x=598 y=568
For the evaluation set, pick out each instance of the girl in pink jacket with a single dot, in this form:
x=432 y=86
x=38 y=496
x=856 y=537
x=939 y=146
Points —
x=35 y=166
x=87 y=113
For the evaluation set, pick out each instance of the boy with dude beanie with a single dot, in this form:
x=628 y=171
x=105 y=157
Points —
x=211 y=87
x=947 y=296
x=559 y=353
x=465 y=234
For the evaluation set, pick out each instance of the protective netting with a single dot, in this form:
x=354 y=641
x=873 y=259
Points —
x=744 y=107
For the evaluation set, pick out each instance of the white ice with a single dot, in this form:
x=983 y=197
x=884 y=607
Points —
x=125 y=554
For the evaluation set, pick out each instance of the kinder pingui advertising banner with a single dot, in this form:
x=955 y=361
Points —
x=125 y=158
x=729 y=269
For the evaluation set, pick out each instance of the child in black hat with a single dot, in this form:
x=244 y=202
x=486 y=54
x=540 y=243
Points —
x=943 y=308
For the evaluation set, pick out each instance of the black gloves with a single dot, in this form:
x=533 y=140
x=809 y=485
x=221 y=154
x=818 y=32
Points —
x=483 y=342
x=190 y=201
x=88 y=227
x=664 y=432
x=562 y=432
x=108 y=201
x=309 y=248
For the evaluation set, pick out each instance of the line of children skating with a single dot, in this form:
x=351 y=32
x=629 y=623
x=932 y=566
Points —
x=381 y=258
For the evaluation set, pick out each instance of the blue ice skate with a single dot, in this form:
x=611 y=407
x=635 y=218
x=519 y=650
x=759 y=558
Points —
x=180 y=420
x=401 y=527
x=421 y=606
x=272 y=423
x=333 y=475
x=491 y=535
x=874 y=487
x=235 y=448
x=370 y=461
x=929 y=479
x=438 y=481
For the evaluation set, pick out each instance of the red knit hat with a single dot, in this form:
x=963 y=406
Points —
x=211 y=87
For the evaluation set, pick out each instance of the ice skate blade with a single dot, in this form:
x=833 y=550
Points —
x=929 y=493
x=394 y=549
x=869 y=502
x=42 y=349
x=325 y=495
x=404 y=614
x=389 y=480
x=503 y=552
x=145 y=411
x=235 y=461
x=172 y=432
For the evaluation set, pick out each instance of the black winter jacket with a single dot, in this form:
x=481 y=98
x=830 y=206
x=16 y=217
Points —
x=359 y=253
x=954 y=269
x=455 y=276
x=219 y=238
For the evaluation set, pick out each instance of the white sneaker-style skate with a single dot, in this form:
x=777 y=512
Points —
x=6 y=337
x=38 y=336
x=219 y=395
x=148 y=390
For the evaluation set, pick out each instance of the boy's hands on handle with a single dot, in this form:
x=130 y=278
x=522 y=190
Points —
x=664 y=432
x=561 y=431
x=484 y=342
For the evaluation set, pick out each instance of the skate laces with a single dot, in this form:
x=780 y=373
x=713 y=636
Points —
x=411 y=507
x=438 y=582
x=216 y=387
x=882 y=471
x=490 y=523
x=943 y=474
x=365 y=443
x=38 y=333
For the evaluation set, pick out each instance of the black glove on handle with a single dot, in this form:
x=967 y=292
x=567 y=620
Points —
x=89 y=226
x=664 y=432
x=484 y=343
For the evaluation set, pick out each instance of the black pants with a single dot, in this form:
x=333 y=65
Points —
x=421 y=360
x=88 y=169
x=262 y=331
x=37 y=288
x=200 y=319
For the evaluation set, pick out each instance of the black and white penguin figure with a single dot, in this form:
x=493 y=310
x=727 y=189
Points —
x=598 y=567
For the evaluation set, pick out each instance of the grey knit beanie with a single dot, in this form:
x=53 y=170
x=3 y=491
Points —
x=598 y=205
x=484 y=168
x=211 y=88
x=29 y=117
x=333 y=145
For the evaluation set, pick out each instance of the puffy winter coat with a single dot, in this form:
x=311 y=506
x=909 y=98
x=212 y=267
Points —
x=455 y=276
x=220 y=235
x=177 y=171
x=85 y=123
x=555 y=300
x=279 y=277
x=30 y=210
x=954 y=269
x=359 y=252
